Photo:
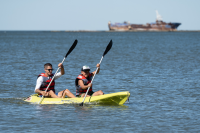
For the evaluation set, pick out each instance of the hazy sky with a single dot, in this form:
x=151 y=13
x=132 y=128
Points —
x=94 y=14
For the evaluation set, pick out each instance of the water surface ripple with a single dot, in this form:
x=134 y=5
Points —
x=160 y=69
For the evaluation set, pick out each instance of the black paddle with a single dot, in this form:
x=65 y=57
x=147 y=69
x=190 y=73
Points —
x=105 y=52
x=70 y=50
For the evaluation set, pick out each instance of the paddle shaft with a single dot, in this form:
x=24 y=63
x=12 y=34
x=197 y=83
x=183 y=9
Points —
x=70 y=50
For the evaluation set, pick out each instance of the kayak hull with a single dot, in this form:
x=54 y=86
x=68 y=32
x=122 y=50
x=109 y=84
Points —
x=118 y=98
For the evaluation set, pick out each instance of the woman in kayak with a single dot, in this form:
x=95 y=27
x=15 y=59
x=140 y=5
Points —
x=83 y=81
x=44 y=79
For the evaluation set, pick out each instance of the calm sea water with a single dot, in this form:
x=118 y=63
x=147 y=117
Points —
x=160 y=69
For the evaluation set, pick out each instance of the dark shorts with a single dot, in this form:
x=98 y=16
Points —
x=89 y=93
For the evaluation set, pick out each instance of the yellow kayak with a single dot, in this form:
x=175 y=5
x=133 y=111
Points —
x=118 y=98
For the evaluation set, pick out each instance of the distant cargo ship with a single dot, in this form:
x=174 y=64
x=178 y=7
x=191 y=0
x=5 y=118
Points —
x=159 y=25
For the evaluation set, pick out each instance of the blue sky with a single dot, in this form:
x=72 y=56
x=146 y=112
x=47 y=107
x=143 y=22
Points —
x=94 y=14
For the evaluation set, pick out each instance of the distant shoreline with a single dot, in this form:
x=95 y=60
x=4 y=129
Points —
x=91 y=31
x=128 y=31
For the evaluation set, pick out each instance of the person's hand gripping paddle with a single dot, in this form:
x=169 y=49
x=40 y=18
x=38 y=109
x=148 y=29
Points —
x=70 y=50
x=105 y=52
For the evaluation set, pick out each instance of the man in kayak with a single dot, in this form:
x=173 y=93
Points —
x=44 y=79
x=83 y=81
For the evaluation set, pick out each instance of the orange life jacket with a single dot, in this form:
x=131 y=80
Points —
x=86 y=81
x=46 y=83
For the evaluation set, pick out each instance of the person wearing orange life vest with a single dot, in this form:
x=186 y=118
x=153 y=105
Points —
x=44 y=79
x=83 y=81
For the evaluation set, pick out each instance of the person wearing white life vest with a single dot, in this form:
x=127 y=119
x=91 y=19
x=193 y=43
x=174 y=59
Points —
x=44 y=79
x=83 y=81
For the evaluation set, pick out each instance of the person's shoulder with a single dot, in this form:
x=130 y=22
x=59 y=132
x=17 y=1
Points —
x=40 y=78
x=80 y=77
x=42 y=75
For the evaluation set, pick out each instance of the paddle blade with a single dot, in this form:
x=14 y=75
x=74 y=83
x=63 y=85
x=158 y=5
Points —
x=108 y=48
x=72 y=47
x=81 y=104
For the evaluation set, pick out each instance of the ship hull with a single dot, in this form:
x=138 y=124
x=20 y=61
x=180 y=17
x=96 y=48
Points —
x=158 y=26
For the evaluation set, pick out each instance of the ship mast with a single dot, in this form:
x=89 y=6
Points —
x=158 y=16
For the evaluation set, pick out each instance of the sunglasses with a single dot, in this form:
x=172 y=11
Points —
x=49 y=70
